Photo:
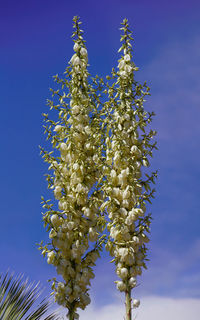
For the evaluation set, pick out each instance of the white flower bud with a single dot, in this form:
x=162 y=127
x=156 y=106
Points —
x=76 y=47
x=137 y=164
x=63 y=147
x=83 y=52
x=135 y=150
x=113 y=174
x=136 y=303
x=129 y=220
x=121 y=64
x=77 y=70
x=51 y=256
x=87 y=212
x=145 y=163
x=114 y=233
x=52 y=234
x=60 y=287
x=57 y=192
x=75 y=166
x=125 y=172
x=76 y=61
x=125 y=203
x=79 y=188
x=122 y=253
x=126 y=193
x=73 y=58
x=88 y=130
x=136 y=240
x=58 y=128
x=139 y=212
x=128 y=68
x=144 y=238
x=123 y=212
x=121 y=286
x=123 y=74
x=88 y=146
x=123 y=273
x=132 y=282
x=127 y=58
x=116 y=192
x=95 y=158
x=55 y=220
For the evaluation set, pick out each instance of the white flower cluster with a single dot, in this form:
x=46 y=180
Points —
x=79 y=59
x=75 y=226
x=124 y=161
x=125 y=67
x=103 y=150
x=123 y=187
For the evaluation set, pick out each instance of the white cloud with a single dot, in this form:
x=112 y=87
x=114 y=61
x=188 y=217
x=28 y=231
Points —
x=152 y=308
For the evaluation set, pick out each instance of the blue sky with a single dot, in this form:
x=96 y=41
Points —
x=35 y=45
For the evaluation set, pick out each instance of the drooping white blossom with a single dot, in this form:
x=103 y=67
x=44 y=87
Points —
x=136 y=303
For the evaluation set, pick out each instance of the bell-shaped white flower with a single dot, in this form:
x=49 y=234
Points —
x=76 y=47
x=136 y=303
x=83 y=52
x=121 y=286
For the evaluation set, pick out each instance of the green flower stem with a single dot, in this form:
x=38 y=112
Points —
x=71 y=316
x=128 y=304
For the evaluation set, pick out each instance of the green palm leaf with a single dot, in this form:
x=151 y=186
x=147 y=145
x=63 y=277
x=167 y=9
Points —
x=17 y=298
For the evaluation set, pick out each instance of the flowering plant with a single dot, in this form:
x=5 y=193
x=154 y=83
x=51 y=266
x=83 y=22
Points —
x=75 y=227
x=127 y=187
x=100 y=152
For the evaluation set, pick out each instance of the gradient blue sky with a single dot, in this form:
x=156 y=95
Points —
x=35 y=44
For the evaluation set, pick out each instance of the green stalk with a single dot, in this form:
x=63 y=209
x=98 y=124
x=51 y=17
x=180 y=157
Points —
x=128 y=304
x=71 y=316
x=71 y=313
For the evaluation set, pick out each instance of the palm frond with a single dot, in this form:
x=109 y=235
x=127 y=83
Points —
x=18 y=298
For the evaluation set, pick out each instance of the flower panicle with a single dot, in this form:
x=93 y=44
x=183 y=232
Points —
x=75 y=225
x=99 y=175
x=127 y=186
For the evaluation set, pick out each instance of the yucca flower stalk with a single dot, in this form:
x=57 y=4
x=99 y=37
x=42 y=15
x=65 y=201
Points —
x=99 y=166
x=20 y=299
x=75 y=224
x=127 y=185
